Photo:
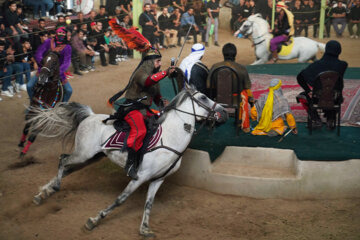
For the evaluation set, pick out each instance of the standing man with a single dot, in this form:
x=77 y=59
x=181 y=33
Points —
x=148 y=22
x=213 y=10
x=195 y=71
x=229 y=52
x=354 y=20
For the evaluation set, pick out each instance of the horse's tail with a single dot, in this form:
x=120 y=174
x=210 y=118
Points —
x=321 y=46
x=60 y=121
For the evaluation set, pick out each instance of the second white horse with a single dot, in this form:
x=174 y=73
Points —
x=303 y=48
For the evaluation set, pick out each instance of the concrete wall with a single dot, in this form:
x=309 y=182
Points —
x=269 y=173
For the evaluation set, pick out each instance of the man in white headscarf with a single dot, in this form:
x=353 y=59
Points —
x=195 y=71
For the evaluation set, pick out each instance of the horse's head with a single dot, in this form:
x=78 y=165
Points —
x=50 y=67
x=247 y=27
x=204 y=108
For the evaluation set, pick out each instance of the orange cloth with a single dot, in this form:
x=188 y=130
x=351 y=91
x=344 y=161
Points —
x=278 y=125
x=244 y=110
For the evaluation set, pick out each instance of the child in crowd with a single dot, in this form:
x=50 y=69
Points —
x=121 y=49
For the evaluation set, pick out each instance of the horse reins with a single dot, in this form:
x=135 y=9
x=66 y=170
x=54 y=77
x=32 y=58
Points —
x=253 y=39
x=210 y=112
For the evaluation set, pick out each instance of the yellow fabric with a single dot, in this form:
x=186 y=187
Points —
x=290 y=120
x=286 y=49
x=290 y=17
x=266 y=115
x=278 y=125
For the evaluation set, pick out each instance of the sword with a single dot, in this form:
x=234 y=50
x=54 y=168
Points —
x=288 y=132
x=182 y=47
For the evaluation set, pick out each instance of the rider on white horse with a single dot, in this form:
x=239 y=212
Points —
x=141 y=91
x=283 y=30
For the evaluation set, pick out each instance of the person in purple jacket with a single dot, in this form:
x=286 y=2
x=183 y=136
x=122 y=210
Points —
x=58 y=44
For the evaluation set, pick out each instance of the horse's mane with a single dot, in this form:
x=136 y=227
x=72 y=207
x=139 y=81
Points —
x=262 y=23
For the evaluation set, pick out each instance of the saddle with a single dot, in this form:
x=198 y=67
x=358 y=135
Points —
x=284 y=44
x=117 y=141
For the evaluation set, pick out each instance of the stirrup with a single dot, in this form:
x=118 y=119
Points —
x=131 y=172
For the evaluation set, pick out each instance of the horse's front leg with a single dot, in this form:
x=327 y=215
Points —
x=130 y=188
x=144 y=227
x=262 y=56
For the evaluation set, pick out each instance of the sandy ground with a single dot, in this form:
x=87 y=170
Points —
x=179 y=212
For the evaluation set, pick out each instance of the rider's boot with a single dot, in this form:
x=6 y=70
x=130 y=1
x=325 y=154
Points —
x=132 y=164
x=274 y=56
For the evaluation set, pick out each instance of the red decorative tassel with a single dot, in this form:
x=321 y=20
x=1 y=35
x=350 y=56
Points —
x=23 y=138
x=26 y=148
x=133 y=38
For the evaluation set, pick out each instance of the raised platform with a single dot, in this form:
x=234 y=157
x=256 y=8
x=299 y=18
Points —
x=269 y=173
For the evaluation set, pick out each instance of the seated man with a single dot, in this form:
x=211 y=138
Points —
x=5 y=71
x=270 y=110
x=329 y=62
x=229 y=52
x=188 y=20
x=195 y=71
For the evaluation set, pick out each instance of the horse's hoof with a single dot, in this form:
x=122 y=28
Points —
x=22 y=155
x=21 y=144
x=90 y=224
x=147 y=233
x=37 y=200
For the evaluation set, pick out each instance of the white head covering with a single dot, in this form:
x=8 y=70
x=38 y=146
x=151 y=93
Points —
x=197 y=51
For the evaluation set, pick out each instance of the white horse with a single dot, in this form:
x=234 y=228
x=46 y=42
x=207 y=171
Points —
x=304 y=48
x=178 y=126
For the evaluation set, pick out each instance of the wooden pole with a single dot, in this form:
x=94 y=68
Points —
x=322 y=19
x=273 y=14
x=137 y=10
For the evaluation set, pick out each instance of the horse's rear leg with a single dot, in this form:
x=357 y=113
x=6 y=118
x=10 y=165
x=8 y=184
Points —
x=67 y=165
x=130 y=188
x=24 y=135
x=30 y=141
x=144 y=227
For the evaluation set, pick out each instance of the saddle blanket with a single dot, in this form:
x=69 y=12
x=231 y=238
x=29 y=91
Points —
x=116 y=141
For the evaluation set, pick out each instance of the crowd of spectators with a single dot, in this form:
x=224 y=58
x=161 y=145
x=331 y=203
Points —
x=20 y=38
x=306 y=14
x=164 y=23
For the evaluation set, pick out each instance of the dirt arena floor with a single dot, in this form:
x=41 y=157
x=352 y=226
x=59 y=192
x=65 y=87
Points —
x=179 y=212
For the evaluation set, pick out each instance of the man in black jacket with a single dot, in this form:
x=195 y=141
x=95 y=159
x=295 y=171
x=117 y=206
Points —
x=329 y=62
x=148 y=22
x=12 y=23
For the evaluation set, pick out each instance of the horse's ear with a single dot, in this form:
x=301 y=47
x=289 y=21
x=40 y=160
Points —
x=187 y=86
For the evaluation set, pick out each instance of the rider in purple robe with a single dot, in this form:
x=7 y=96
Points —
x=283 y=30
x=58 y=44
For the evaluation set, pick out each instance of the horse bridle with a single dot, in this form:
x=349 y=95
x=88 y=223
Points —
x=251 y=26
x=211 y=111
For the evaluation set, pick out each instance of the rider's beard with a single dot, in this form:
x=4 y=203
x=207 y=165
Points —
x=156 y=70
